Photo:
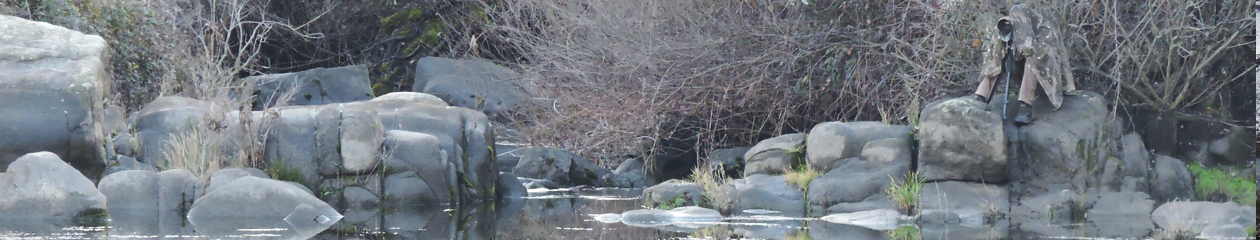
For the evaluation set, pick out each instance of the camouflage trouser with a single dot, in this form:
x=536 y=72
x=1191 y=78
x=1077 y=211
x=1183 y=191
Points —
x=1037 y=45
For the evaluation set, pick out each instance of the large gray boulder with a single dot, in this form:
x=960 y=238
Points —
x=1236 y=148
x=252 y=203
x=54 y=84
x=225 y=176
x=1170 y=180
x=559 y=166
x=775 y=155
x=855 y=179
x=1196 y=217
x=961 y=140
x=830 y=142
x=474 y=84
x=630 y=174
x=1066 y=148
x=760 y=191
x=158 y=122
x=1137 y=159
x=674 y=192
x=41 y=186
x=465 y=135
x=317 y=86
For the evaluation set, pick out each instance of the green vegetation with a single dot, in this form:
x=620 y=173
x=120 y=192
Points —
x=905 y=232
x=1223 y=185
x=676 y=202
x=802 y=234
x=906 y=193
x=280 y=171
x=802 y=176
x=92 y=217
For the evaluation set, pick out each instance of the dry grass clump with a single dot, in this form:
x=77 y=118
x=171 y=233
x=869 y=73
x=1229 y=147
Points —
x=616 y=76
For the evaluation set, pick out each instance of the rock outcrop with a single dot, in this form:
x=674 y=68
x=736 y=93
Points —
x=1065 y=148
x=674 y=193
x=559 y=166
x=53 y=85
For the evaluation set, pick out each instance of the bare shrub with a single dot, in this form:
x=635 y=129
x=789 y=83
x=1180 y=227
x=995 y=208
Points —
x=616 y=76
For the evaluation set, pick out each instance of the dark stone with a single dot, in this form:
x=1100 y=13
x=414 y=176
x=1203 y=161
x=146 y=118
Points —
x=40 y=186
x=317 y=86
x=666 y=193
x=1170 y=180
x=473 y=84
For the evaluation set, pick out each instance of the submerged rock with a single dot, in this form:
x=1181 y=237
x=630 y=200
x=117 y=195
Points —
x=40 y=186
x=880 y=219
x=968 y=200
x=675 y=193
x=559 y=166
x=761 y=191
x=53 y=86
x=688 y=218
x=1203 y=217
x=258 y=203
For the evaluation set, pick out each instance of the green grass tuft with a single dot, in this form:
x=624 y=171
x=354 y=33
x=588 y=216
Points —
x=282 y=172
x=802 y=176
x=906 y=193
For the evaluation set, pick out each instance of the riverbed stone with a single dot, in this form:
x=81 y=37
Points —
x=775 y=155
x=178 y=189
x=631 y=173
x=964 y=198
x=559 y=166
x=831 y=142
x=1121 y=215
x=474 y=84
x=760 y=191
x=1196 y=217
x=54 y=83
x=1065 y=148
x=674 y=192
x=960 y=139
x=303 y=139
x=42 y=186
x=877 y=201
x=252 y=202
x=873 y=170
x=1170 y=180
x=317 y=86
x=131 y=189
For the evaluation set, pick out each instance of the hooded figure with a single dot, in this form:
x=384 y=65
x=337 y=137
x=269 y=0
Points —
x=1037 y=51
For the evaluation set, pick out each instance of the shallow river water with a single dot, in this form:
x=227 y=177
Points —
x=548 y=214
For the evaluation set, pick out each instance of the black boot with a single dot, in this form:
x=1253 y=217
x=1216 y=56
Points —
x=977 y=97
x=1025 y=114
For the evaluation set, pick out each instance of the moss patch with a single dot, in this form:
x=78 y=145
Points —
x=1214 y=184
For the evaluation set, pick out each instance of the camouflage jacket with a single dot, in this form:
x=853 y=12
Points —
x=1038 y=42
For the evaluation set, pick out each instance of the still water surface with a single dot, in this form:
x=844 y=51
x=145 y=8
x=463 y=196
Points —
x=547 y=214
